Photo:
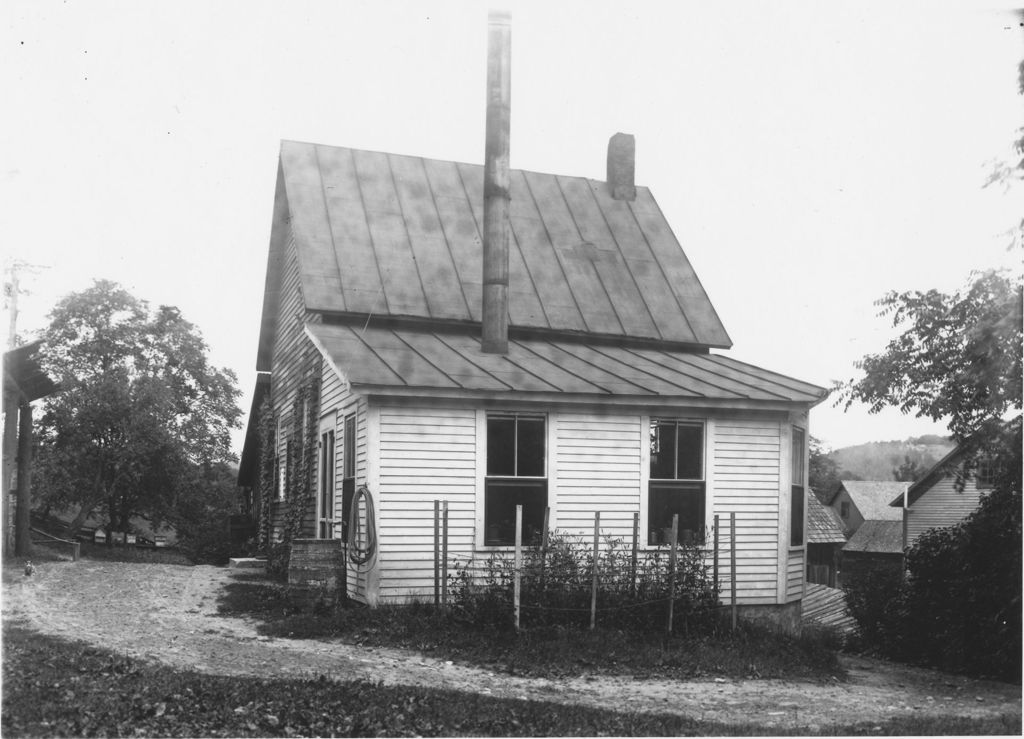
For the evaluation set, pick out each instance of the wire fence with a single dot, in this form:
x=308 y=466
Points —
x=620 y=577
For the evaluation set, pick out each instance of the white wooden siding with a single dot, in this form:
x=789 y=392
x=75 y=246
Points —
x=597 y=459
x=335 y=397
x=941 y=505
x=795 y=576
x=746 y=469
x=426 y=454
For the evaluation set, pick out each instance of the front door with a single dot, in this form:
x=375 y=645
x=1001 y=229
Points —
x=325 y=499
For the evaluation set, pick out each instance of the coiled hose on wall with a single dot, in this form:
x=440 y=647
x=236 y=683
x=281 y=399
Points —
x=358 y=553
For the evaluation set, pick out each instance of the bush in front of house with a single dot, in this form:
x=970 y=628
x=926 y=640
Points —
x=556 y=587
x=959 y=608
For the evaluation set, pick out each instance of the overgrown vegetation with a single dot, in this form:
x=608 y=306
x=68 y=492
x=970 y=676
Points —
x=542 y=650
x=557 y=584
x=958 y=359
x=54 y=687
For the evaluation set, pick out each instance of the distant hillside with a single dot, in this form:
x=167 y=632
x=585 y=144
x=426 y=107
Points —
x=877 y=459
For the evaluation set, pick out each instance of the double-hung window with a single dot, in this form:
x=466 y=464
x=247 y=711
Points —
x=348 y=473
x=677 y=480
x=516 y=475
x=796 y=500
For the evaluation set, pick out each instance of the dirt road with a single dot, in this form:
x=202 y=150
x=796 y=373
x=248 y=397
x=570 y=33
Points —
x=168 y=613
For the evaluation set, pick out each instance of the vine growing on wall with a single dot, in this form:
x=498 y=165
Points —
x=265 y=482
x=302 y=453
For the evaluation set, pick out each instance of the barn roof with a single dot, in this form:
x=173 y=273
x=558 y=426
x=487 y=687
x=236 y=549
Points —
x=414 y=358
x=393 y=235
x=823 y=524
x=23 y=374
x=877 y=537
x=872 y=498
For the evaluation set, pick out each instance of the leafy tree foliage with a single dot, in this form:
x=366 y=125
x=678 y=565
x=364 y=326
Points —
x=822 y=471
x=142 y=409
x=958 y=360
x=909 y=470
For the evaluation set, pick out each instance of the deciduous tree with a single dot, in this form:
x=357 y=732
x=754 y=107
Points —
x=142 y=408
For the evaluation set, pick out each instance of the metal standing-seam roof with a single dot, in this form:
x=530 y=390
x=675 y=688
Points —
x=393 y=235
x=823 y=524
x=416 y=358
x=877 y=537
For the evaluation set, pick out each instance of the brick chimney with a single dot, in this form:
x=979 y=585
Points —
x=496 y=184
x=622 y=166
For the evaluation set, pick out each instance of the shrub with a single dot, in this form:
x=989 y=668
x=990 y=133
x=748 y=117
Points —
x=959 y=608
x=556 y=587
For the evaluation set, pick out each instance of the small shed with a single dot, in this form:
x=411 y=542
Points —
x=874 y=543
x=24 y=382
x=825 y=541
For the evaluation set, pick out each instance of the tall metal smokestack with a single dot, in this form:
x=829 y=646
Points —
x=496 y=183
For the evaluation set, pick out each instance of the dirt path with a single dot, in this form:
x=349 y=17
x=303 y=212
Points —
x=168 y=613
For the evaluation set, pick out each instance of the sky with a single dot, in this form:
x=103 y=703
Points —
x=810 y=156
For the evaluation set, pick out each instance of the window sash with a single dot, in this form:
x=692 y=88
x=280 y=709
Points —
x=687 y=498
x=501 y=496
x=797 y=493
x=667 y=438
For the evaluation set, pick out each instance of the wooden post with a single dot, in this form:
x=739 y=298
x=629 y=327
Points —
x=732 y=564
x=518 y=565
x=632 y=559
x=672 y=571
x=544 y=547
x=437 y=552
x=593 y=588
x=23 y=511
x=444 y=556
x=10 y=400
x=714 y=566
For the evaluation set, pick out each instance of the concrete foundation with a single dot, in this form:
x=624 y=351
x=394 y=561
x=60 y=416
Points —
x=786 y=619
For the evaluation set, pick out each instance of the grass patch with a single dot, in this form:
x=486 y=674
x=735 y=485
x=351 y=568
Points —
x=550 y=652
x=53 y=687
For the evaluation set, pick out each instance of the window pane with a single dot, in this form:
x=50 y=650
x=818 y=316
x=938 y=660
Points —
x=348 y=492
x=796 y=516
x=666 y=499
x=690 y=445
x=663 y=445
x=501 y=446
x=349 y=470
x=500 y=501
x=798 y=456
x=530 y=447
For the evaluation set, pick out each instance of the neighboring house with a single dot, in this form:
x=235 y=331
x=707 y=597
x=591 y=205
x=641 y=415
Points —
x=875 y=542
x=934 y=501
x=825 y=540
x=857 y=501
x=383 y=397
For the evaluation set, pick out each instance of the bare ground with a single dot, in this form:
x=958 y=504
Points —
x=168 y=613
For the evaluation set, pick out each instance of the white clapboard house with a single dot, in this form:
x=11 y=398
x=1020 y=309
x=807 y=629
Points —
x=608 y=397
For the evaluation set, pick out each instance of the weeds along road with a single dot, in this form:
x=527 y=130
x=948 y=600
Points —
x=168 y=613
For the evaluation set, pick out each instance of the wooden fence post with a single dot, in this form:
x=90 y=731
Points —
x=632 y=559
x=444 y=556
x=714 y=566
x=437 y=552
x=544 y=548
x=672 y=571
x=518 y=565
x=593 y=587
x=732 y=564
